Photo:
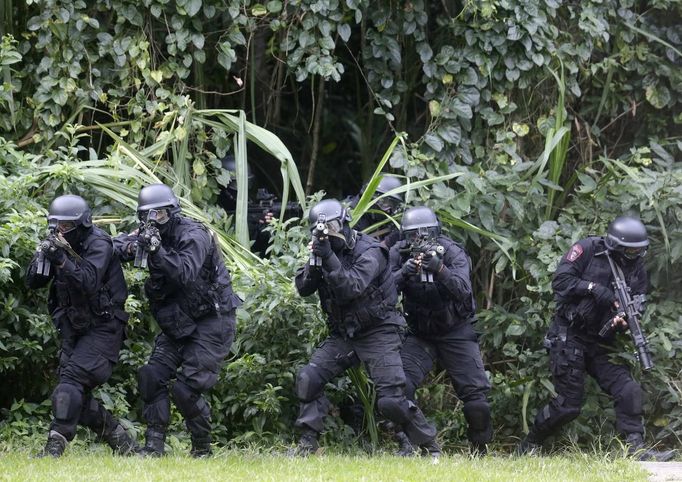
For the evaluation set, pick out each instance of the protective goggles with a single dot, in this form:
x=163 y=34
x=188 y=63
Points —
x=158 y=216
x=412 y=235
x=65 y=226
x=634 y=253
x=388 y=205
x=334 y=226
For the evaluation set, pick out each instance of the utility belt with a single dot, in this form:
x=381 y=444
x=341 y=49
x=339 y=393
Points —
x=374 y=309
x=434 y=321
x=572 y=317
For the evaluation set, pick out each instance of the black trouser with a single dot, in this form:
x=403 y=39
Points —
x=195 y=363
x=571 y=357
x=379 y=350
x=86 y=361
x=459 y=355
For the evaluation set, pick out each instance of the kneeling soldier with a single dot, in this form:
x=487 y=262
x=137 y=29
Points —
x=433 y=274
x=350 y=272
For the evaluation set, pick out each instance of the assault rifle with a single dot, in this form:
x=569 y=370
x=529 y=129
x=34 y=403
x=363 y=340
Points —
x=150 y=232
x=266 y=202
x=54 y=241
x=423 y=245
x=632 y=307
x=43 y=264
x=321 y=232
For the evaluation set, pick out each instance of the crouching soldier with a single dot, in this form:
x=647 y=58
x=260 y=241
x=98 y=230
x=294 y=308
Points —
x=86 y=298
x=190 y=295
x=579 y=345
x=433 y=273
x=350 y=272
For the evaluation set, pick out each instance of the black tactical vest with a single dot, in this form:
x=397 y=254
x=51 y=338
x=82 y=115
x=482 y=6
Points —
x=178 y=307
x=429 y=307
x=83 y=309
x=374 y=307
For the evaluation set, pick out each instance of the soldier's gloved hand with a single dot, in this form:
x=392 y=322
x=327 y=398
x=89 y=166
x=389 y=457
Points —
x=322 y=247
x=432 y=262
x=267 y=217
x=603 y=296
x=410 y=268
x=56 y=255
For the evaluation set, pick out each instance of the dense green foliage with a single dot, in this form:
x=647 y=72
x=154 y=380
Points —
x=550 y=117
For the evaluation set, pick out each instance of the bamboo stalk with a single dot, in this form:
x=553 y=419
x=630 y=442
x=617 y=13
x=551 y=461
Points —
x=316 y=137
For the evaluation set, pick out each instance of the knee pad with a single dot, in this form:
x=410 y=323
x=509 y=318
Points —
x=190 y=403
x=309 y=383
x=630 y=398
x=67 y=402
x=477 y=415
x=395 y=409
x=150 y=382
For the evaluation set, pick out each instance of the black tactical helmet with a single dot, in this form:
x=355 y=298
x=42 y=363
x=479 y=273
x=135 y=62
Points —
x=419 y=220
x=388 y=183
x=229 y=164
x=627 y=235
x=331 y=210
x=157 y=196
x=69 y=208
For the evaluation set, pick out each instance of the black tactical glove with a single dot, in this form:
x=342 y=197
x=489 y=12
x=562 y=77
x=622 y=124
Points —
x=410 y=268
x=56 y=255
x=602 y=295
x=322 y=248
x=431 y=262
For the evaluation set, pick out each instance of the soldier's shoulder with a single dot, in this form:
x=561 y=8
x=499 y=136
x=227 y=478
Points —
x=450 y=244
x=189 y=224
x=365 y=242
x=585 y=247
x=97 y=234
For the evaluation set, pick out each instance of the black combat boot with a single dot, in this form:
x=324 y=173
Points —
x=120 y=441
x=56 y=443
x=530 y=445
x=639 y=451
x=307 y=444
x=431 y=449
x=478 y=449
x=405 y=447
x=155 y=440
x=201 y=447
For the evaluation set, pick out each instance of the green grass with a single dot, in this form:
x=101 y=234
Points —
x=235 y=465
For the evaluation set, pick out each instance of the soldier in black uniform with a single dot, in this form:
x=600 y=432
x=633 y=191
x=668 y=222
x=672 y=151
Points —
x=257 y=219
x=190 y=295
x=87 y=294
x=358 y=295
x=585 y=302
x=434 y=275
x=391 y=205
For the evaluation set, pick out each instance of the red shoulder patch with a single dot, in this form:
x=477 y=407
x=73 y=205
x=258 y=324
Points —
x=574 y=253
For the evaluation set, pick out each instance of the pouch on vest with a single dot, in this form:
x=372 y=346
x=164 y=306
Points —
x=78 y=319
x=174 y=322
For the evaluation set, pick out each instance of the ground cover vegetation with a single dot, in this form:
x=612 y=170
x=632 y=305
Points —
x=102 y=466
x=547 y=120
